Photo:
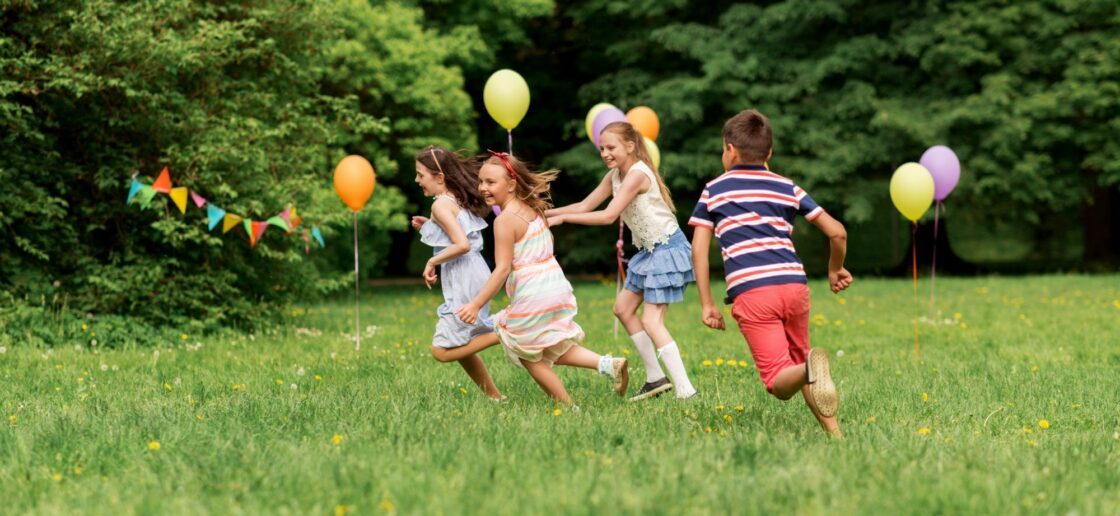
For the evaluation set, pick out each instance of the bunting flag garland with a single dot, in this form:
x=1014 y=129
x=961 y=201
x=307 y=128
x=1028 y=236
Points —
x=163 y=183
x=231 y=222
x=214 y=214
x=287 y=220
x=179 y=197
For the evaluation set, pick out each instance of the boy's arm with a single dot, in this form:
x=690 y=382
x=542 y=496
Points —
x=838 y=277
x=592 y=201
x=503 y=264
x=701 y=243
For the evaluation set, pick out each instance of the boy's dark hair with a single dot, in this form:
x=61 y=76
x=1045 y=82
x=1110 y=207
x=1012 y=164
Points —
x=749 y=132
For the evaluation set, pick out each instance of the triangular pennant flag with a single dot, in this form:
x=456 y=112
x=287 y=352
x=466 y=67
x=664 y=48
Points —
x=258 y=230
x=248 y=223
x=215 y=215
x=231 y=221
x=132 y=190
x=146 y=194
x=163 y=183
x=199 y=201
x=280 y=223
x=318 y=236
x=179 y=197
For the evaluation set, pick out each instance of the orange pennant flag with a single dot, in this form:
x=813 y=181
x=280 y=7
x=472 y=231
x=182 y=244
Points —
x=231 y=221
x=179 y=197
x=258 y=230
x=163 y=183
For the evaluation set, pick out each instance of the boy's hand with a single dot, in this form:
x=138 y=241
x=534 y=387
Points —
x=468 y=313
x=712 y=317
x=839 y=280
x=418 y=221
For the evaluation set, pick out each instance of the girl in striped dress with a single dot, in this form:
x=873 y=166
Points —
x=537 y=329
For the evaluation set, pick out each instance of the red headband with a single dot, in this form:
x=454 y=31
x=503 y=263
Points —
x=504 y=156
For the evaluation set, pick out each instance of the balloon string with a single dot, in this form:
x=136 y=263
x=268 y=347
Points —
x=357 y=305
x=509 y=134
x=621 y=275
x=914 y=254
x=933 y=268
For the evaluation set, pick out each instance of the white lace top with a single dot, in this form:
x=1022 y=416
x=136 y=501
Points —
x=650 y=219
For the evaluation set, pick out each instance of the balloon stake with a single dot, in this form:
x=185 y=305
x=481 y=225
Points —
x=914 y=254
x=357 y=302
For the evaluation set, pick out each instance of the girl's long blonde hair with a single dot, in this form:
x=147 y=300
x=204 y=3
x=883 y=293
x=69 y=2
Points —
x=628 y=134
x=533 y=188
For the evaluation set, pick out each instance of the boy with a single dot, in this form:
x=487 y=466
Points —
x=751 y=211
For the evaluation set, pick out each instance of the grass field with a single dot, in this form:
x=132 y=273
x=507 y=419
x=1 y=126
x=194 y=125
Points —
x=1012 y=408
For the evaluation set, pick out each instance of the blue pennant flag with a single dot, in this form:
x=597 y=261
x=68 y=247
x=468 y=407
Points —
x=133 y=190
x=318 y=236
x=215 y=215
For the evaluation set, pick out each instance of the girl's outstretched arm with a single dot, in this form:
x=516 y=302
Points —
x=633 y=185
x=443 y=213
x=503 y=264
x=592 y=201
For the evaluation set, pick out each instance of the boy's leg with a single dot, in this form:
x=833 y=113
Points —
x=626 y=309
x=476 y=369
x=829 y=424
x=478 y=343
x=543 y=374
x=822 y=392
x=653 y=320
x=759 y=315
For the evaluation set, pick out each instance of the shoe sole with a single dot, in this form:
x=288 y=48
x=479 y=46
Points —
x=620 y=384
x=822 y=390
x=653 y=393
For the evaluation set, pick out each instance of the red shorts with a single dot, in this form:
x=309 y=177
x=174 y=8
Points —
x=775 y=321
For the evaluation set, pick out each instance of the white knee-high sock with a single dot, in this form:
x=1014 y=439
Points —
x=671 y=355
x=649 y=357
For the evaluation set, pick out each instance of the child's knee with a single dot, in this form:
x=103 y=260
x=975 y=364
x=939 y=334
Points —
x=440 y=354
x=651 y=319
x=621 y=311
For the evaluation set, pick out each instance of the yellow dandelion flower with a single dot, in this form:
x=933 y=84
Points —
x=279 y=382
x=964 y=325
x=154 y=446
x=167 y=386
x=743 y=363
x=57 y=477
x=1075 y=405
x=462 y=390
x=727 y=417
x=841 y=300
x=198 y=417
x=719 y=408
x=925 y=397
x=85 y=326
x=1032 y=442
x=1043 y=424
x=556 y=412
x=78 y=468
x=318 y=378
x=387 y=505
x=862 y=322
x=923 y=431
x=1034 y=368
x=732 y=363
x=12 y=419
x=92 y=334
x=838 y=322
x=183 y=336
x=719 y=361
x=1027 y=430
x=336 y=439
x=707 y=429
x=870 y=419
x=957 y=315
x=706 y=363
x=739 y=408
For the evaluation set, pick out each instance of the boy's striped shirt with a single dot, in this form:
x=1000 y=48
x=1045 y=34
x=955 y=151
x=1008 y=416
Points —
x=751 y=211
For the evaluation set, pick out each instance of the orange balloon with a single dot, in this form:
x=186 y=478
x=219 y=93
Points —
x=645 y=121
x=354 y=181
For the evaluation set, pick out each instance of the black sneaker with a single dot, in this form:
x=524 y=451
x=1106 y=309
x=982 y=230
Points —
x=652 y=389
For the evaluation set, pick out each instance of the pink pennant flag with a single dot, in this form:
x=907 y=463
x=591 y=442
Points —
x=198 y=200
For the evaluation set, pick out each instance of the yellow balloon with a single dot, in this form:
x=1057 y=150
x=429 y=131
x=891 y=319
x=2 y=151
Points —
x=594 y=112
x=912 y=190
x=506 y=96
x=654 y=153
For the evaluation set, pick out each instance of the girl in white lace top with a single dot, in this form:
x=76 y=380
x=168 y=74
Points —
x=659 y=273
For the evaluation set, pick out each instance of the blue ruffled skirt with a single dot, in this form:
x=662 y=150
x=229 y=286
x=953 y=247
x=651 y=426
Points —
x=661 y=275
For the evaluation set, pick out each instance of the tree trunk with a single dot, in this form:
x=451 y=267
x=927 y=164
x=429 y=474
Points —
x=1101 y=228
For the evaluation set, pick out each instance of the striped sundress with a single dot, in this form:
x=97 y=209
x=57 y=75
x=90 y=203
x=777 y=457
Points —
x=539 y=322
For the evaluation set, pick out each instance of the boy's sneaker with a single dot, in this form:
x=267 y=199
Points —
x=620 y=372
x=821 y=388
x=652 y=389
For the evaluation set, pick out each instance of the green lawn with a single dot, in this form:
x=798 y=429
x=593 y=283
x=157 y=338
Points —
x=1013 y=408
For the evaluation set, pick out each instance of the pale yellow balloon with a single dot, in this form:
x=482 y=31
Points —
x=506 y=96
x=594 y=112
x=912 y=190
x=654 y=153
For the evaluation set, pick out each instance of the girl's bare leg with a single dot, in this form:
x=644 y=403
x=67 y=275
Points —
x=543 y=374
x=626 y=310
x=476 y=344
x=476 y=369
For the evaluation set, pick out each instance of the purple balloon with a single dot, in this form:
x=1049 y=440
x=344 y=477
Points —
x=605 y=117
x=945 y=168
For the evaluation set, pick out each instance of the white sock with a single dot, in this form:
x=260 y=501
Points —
x=672 y=358
x=605 y=365
x=649 y=358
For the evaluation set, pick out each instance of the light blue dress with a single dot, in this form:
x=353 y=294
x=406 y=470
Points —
x=461 y=279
